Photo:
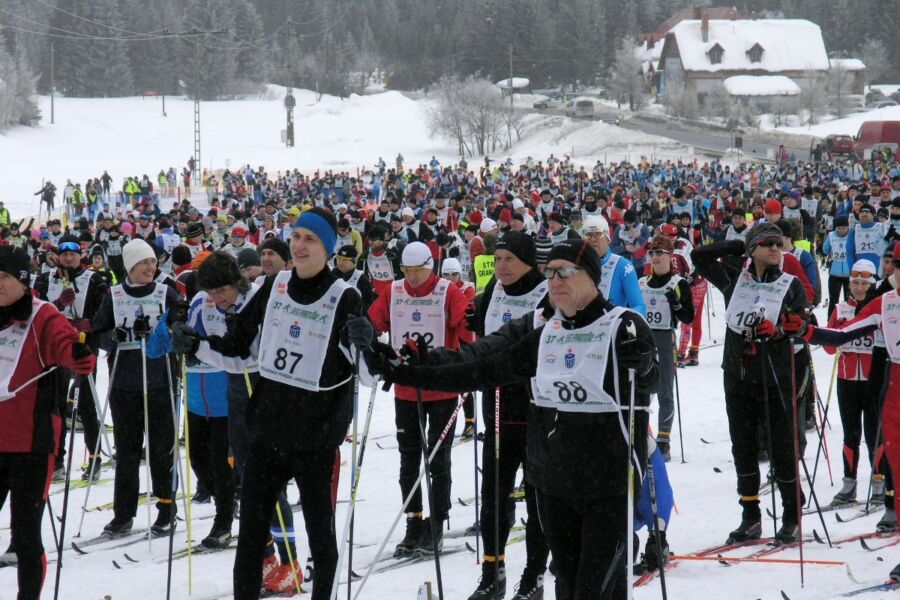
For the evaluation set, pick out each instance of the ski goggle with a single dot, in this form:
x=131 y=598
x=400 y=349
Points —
x=415 y=270
x=657 y=252
x=862 y=275
x=562 y=272
x=69 y=247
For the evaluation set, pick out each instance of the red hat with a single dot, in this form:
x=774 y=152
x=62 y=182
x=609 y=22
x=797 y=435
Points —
x=239 y=232
x=897 y=251
x=505 y=215
x=669 y=229
x=475 y=217
x=772 y=207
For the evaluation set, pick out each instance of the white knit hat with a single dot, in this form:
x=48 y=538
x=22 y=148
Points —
x=134 y=252
x=416 y=254
x=595 y=224
x=487 y=225
x=864 y=266
x=450 y=265
x=407 y=212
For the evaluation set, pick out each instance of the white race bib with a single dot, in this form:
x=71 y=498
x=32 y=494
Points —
x=380 y=267
x=56 y=286
x=503 y=308
x=414 y=318
x=753 y=301
x=890 y=324
x=295 y=336
x=572 y=365
x=659 y=311
x=127 y=308
x=838 y=248
x=12 y=340
x=861 y=345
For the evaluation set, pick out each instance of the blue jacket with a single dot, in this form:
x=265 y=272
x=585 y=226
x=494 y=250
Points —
x=840 y=266
x=624 y=289
x=874 y=253
x=665 y=498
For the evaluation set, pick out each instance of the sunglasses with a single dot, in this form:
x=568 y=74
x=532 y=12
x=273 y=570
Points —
x=896 y=263
x=70 y=247
x=563 y=272
x=415 y=270
x=771 y=244
x=861 y=274
x=658 y=252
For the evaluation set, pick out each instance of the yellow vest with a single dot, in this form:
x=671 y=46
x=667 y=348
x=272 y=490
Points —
x=484 y=270
x=803 y=244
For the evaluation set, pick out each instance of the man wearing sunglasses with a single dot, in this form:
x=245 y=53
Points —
x=422 y=306
x=77 y=293
x=758 y=301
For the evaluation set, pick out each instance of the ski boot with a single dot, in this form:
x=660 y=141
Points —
x=59 y=474
x=410 y=541
x=118 y=528
x=664 y=448
x=530 y=586
x=656 y=547
x=283 y=581
x=888 y=522
x=270 y=563
x=693 y=358
x=165 y=519
x=491 y=585
x=877 y=489
x=468 y=431
x=787 y=534
x=92 y=470
x=219 y=536
x=426 y=543
x=847 y=494
x=895 y=574
x=201 y=497
x=749 y=529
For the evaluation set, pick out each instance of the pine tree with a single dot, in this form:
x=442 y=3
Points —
x=208 y=62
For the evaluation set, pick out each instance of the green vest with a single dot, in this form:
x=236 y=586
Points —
x=803 y=244
x=484 y=270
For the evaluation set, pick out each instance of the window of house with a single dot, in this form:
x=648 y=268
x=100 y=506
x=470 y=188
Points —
x=715 y=54
x=755 y=53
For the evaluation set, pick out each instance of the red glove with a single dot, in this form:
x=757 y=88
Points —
x=65 y=299
x=83 y=325
x=793 y=324
x=84 y=365
x=764 y=330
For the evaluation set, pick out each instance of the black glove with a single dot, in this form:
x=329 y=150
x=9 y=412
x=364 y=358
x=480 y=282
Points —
x=472 y=319
x=141 y=328
x=414 y=350
x=891 y=234
x=360 y=332
x=119 y=334
x=381 y=360
x=178 y=313
x=184 y=339
x=230 y=319
x=635 y=353
x=674 y=302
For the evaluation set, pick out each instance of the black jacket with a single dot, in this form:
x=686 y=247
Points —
x=569 y=454
x=685 y=313
x=287 y=418
x=742 y=358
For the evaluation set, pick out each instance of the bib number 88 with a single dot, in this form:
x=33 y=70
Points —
x=569 y=391
x=281 y=359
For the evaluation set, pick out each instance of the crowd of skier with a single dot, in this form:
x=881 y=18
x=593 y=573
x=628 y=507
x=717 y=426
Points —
x=564 y=297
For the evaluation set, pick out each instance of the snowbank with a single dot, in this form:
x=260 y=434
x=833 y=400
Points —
x=848 y=125
x=761 y=85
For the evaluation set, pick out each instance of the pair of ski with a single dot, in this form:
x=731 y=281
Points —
x=390 y=563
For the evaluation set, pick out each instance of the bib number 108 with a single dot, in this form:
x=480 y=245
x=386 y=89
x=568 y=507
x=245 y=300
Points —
x=570 y=391
x=283 y=357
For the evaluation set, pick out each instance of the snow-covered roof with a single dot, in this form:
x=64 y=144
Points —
x=649 y=57
x=517 y=83
x=788 y=45
x=848 y=64
x=761 y=85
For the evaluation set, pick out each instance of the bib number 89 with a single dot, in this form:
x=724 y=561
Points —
x=654 y=317
x=569 y=391
x=281 y=359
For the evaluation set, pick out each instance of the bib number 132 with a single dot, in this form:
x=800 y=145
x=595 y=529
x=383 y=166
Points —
x=566 y=392
x=283 y=358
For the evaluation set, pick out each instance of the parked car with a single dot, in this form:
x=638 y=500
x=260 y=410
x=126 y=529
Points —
x=877 y=135
x=839 y=144
x=883 y=104
x=548 y=103
x=580 y=108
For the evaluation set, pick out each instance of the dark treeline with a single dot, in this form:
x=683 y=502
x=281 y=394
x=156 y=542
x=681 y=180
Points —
x=121 y=47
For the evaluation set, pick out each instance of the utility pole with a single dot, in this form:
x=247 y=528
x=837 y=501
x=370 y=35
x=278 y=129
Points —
x=509 y=121
x=52 y=56
x=289 y=101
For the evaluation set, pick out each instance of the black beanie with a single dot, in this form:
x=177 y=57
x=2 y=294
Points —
x=16 y=263
x=279 y=247
x=521 y=245
x=579 y=252
x=181 y=255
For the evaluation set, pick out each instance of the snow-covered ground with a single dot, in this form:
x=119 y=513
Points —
x=706 y=503
x=847 y=126
x=129 y=136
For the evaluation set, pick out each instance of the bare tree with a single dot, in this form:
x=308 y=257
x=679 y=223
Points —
x=720 y=104
x=627 y=80
x=782 y=108
x=875 y=56
x=472 y=114
x=839 y=82
x=812 y=98
x=682 y=103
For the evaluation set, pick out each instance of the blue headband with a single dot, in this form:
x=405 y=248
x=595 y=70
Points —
x=319 y=226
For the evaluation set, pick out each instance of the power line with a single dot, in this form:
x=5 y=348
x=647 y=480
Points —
x=72 y=35
x=71 y=14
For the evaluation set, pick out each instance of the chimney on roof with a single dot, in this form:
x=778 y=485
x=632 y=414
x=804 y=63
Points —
x=704 y=28
x=698 y=12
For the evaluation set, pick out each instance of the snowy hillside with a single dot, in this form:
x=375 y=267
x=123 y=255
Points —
x=129 y=136
x=706 y=502
x=848 y=125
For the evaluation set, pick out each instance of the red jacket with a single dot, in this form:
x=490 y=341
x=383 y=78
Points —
x=455 y=307
x=852 y=366
x=30 y=421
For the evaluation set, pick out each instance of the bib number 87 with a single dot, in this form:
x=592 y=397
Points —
x=570 y=391
x=281 y=360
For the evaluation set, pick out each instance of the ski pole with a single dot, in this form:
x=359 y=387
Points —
x=53 y=524
x=651 y=483
x=354 y=490
x=65 y=509
x=146 y=440
x=708 y=321
x=431 y=503
x=798 y=494
x=176 y=460
x=353 y=476
x=821 y=444
x=678 y=397
x=408 y=499
x=87 y=495
x=187 y=474
x=629 y=521
x=768 y=416
x=475 y=473
x=278 y=513
x=496 y=484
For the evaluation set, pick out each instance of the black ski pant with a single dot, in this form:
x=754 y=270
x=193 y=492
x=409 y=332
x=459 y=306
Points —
x=209 y=459
x=665 y=347
x=859 y=416
x=836 y=285
x=266 y=472
x=744 y=404
x=435 y=416
x=587 y=538
x=25 y=479
x=239 y=439
x=512 y=456
x=127 y=408
x=87 y=411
